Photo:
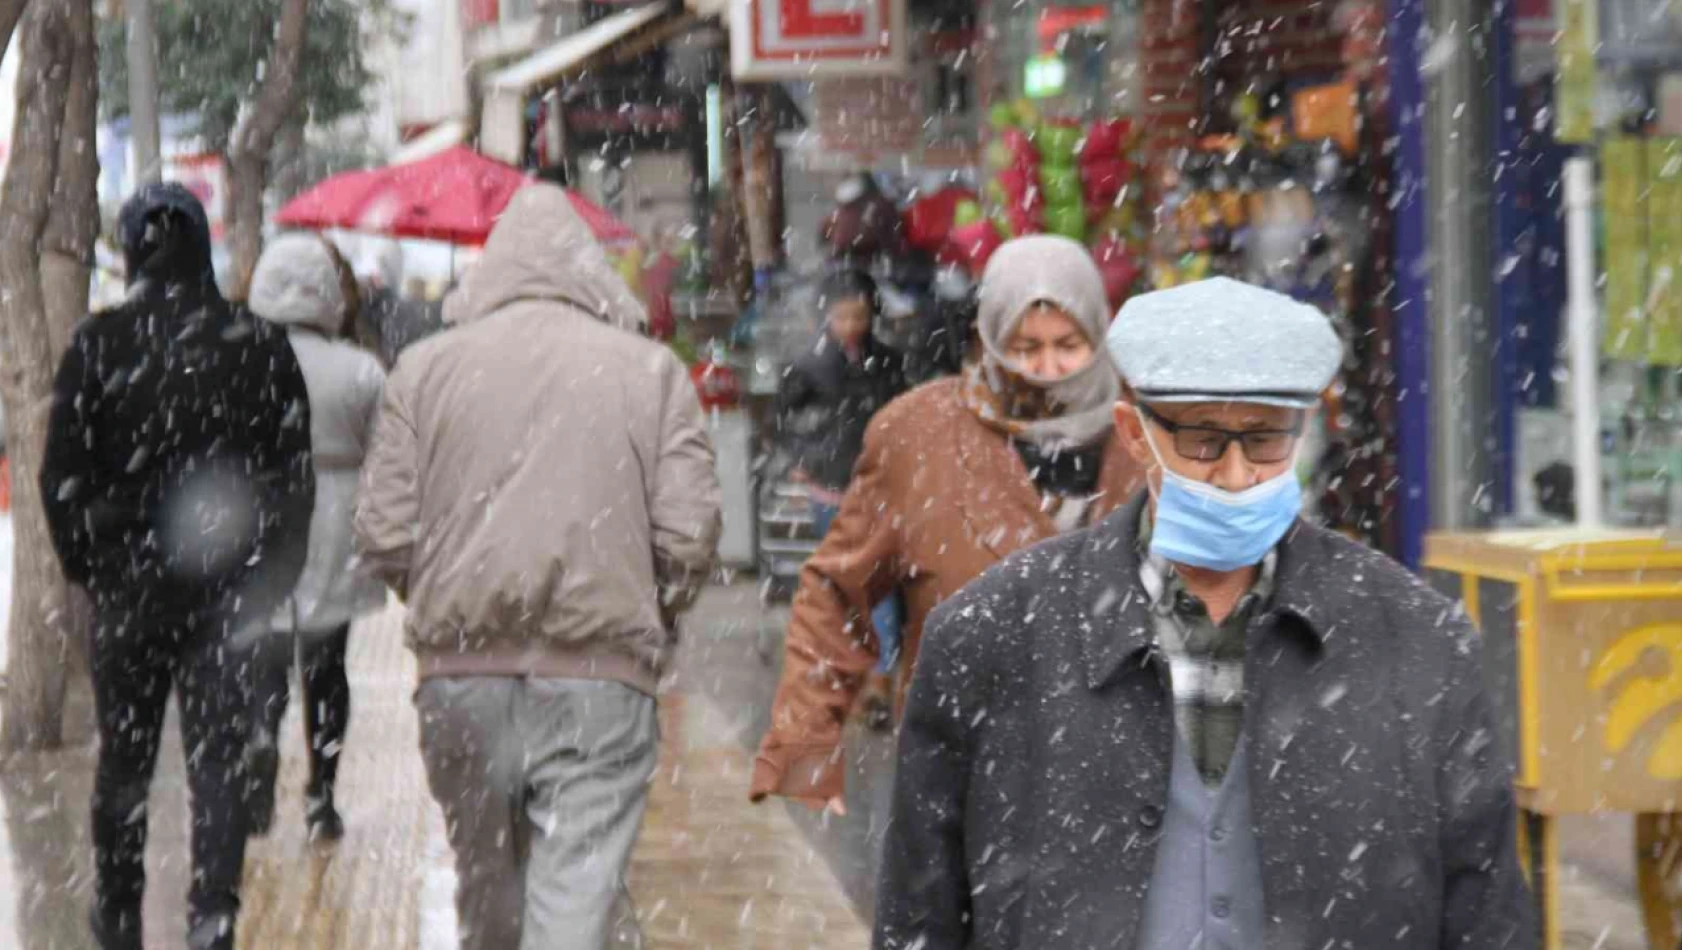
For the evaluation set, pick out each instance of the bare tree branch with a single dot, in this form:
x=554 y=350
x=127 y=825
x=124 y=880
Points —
x=254 y=139
x=280 y=91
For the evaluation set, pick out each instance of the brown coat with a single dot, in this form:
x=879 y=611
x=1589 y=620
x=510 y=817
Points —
x=937 y=499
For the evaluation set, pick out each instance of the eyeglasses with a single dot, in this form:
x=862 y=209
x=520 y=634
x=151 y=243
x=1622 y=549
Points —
x=1209 y=444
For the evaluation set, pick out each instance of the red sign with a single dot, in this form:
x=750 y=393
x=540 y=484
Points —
x=805 y=39
x=207 y=179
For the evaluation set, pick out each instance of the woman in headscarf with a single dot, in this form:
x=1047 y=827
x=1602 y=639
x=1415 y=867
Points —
x=955 y=475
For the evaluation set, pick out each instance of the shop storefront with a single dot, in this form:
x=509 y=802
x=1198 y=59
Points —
x=1183 y=140
x=1600 y=80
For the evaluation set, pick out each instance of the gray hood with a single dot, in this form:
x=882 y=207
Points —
x=296 y=284
x=541 y=250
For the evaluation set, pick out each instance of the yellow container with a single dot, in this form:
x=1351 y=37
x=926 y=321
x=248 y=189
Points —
x=1582 y=635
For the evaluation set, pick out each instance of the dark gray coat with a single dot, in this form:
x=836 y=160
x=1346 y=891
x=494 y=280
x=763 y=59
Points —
x=1034 y=760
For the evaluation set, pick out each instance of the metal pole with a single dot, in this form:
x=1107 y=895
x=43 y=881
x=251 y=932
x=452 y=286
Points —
x=1462 y=285
x=143 y=92
x=1582 y=327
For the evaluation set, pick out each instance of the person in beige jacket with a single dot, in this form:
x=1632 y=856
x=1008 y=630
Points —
x=541 y=493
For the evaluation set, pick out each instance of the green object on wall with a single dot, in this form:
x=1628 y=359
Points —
x=1624 y=224
x=1664 y=250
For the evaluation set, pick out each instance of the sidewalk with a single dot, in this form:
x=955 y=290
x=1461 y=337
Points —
x=710 y=871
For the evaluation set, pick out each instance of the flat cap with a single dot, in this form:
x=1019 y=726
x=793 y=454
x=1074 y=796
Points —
x=1222 y=340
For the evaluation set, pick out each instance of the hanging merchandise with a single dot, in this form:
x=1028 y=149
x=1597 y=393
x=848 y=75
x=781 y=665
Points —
x=1060 y=176
x=929 y=220
x=1330 y=112
x=717 y=383
x=865 y=223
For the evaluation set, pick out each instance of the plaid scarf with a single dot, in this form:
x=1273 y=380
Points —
x=1205 y=659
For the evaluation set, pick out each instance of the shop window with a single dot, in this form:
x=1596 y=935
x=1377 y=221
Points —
x=952 y=89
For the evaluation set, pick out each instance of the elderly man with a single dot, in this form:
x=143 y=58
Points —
x=1203 y=722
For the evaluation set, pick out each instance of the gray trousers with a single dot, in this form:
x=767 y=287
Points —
x=543 y=783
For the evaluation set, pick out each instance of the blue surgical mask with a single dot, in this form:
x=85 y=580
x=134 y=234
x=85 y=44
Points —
x=1203 y=526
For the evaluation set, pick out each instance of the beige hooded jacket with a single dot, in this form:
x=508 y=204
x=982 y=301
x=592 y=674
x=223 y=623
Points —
x=541 y=489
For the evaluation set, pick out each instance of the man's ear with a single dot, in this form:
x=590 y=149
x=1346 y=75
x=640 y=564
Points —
x=1131 y=430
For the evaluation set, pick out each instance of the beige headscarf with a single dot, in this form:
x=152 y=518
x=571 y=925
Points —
x=1022 y=273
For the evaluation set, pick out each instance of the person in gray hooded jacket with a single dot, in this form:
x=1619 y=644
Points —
x=541 y=492
x=298 y=285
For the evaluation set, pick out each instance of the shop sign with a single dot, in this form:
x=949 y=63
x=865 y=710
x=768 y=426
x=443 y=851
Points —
x=656 y=118
x=807 y=39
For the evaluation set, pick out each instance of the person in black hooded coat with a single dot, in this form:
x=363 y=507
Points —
x=178 y=488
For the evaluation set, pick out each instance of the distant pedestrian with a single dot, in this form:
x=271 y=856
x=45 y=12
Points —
x=388 y=323
x=953 y=476
x=177 y=484
x=541 y=492
x=827 y=399
x=1204 y=722
x=298 y=285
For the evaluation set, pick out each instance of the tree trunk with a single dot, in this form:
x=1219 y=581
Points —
x=288 y=168
x=10 y=11
x=254 y=139
x=760 y=182
x=51 y=209
x=247 y=176
x=732 y=259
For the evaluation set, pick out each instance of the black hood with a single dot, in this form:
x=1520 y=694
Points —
x=165 y=236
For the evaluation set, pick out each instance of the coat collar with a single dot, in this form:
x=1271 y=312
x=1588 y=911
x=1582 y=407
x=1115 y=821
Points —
x=999 y=483
x=1305 y=591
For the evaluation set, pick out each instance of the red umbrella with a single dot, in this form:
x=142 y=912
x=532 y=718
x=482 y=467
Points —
x=454 y=196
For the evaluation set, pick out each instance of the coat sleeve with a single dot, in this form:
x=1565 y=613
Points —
x=831 y=645
x=370 y=386
x=684 y=497
x=69 y=476
x=923 y=895
x=1486 y=903
x=285 y=463
x=388 y=504
x=794 y=394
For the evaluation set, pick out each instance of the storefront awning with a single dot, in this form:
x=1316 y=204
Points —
x=502 y=129
x=445 y=135
x=566 y=55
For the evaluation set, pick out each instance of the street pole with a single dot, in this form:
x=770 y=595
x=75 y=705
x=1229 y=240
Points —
x=1458 y=128
x=143 y=92
x=1584 y=338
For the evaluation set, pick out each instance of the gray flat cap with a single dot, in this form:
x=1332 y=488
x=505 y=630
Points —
x=1224 y=340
